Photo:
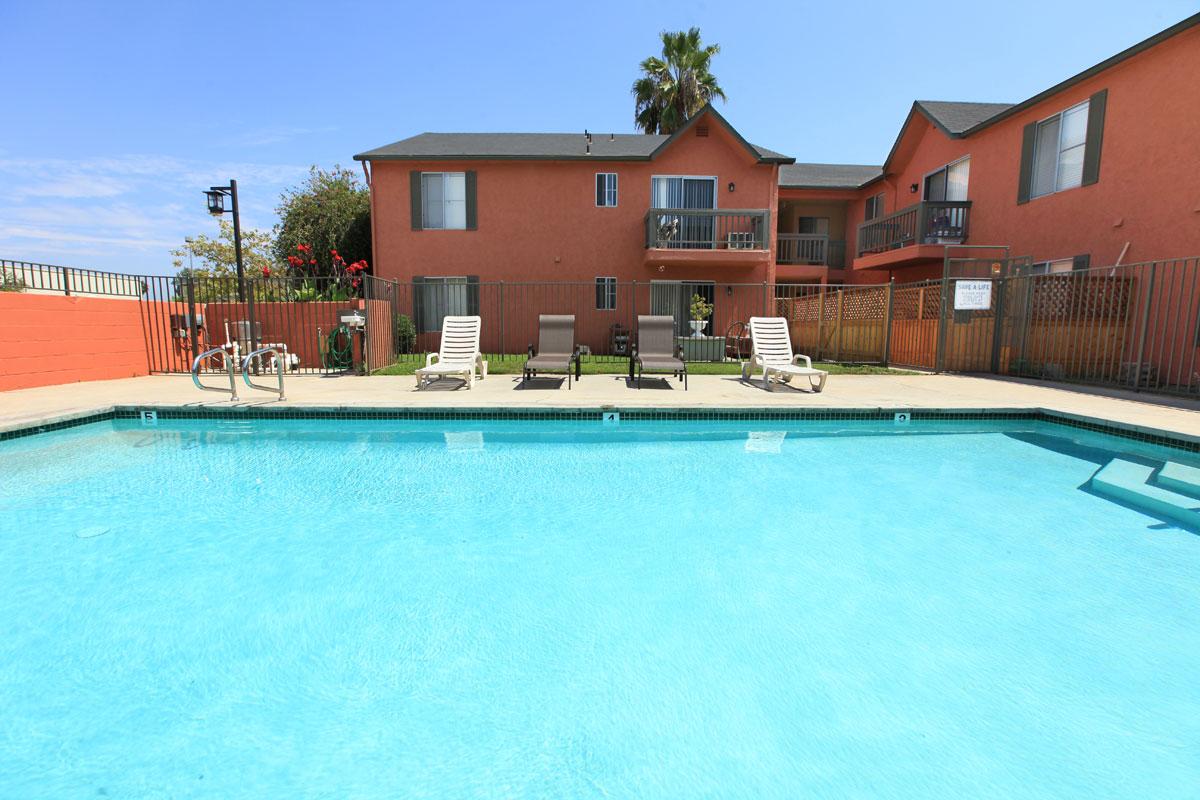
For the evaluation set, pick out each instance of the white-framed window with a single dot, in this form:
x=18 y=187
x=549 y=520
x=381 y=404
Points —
x=606 y=190
x=949 y=183
x=683 y=191
x=874 y=207
x=1058 y=150
x=1052 y=267
x=444 y=200
x=606 y=294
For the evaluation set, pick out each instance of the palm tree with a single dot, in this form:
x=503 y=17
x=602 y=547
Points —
x=677 y=85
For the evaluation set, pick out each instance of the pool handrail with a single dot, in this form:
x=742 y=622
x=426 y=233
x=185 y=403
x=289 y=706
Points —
x=230 y=364
x=280 y=353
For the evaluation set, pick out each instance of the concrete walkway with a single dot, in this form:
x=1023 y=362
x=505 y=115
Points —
x=25 y=407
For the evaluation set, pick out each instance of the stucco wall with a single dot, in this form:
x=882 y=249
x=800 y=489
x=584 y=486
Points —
x=49 y=339
x=1147 y=194
x=537 y=220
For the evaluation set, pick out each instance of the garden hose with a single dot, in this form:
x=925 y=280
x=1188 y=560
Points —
x=339 y=356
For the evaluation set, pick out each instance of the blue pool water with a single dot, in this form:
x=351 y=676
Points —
x=661 y=610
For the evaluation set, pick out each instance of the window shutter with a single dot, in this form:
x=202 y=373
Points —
x=414 y=193
x=418 y=288
x=1081 y=262
x=472 y=221
x=472 y=294
x=1025 y=177
x=1095 y=137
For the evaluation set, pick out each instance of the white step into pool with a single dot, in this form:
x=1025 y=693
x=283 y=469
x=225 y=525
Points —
x=1173 y=497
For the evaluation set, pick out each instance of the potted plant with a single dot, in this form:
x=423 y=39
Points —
x=701 y=311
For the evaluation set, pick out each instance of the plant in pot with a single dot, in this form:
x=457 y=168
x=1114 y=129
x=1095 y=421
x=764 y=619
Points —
x=701 y=311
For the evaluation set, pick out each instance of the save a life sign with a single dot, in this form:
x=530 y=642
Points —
x=972 y=295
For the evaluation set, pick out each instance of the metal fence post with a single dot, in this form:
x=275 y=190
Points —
x=502 y=350
x=193 y=331
x=841 y=307
x=1144 y=325
x=250 y=334
x=765 y=310
x=820 y=318
x=887 y=325
x=998 y=325
x=939 y=360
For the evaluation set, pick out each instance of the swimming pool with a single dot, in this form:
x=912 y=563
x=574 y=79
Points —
x=307 y=608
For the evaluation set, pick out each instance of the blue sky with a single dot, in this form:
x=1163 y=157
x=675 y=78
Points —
x=117 y=115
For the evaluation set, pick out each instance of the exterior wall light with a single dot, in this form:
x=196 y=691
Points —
x=912 y=189
x=732 y=186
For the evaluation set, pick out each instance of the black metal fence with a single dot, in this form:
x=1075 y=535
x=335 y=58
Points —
x=321 y=321
x=30 y=276
x=605 y=315
x=1133 y=326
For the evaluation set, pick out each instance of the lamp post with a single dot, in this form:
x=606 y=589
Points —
x=216 y=206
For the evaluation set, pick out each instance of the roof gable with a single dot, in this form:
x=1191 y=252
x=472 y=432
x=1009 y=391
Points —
x=760 y=154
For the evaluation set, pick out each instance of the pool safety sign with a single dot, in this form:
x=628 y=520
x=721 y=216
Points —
x=972 y=295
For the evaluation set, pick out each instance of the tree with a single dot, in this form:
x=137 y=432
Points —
x=677 y=85
x=217 y=258
x=331 y=212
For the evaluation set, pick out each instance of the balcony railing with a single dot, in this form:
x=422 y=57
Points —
x=810 y=248
x=928 y=222
x=697 y=229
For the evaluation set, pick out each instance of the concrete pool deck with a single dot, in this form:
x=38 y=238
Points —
x=24 y=408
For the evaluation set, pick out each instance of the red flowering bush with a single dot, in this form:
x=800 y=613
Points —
x=341 y=280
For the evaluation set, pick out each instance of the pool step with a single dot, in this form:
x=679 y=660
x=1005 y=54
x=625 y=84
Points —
x=1180 y=478
x=1131 y=483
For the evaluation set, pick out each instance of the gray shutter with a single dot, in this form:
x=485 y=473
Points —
x=1095 y=137
x=418 y=288
x=472 y=293
x=1025 y=177
x=472 y=222
x=414 y=193
x=1081 y=262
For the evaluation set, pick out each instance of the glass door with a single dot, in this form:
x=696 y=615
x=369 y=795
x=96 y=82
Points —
x=682 y=192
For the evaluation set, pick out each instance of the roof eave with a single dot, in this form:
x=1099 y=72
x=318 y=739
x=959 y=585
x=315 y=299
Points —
x=1092 y=71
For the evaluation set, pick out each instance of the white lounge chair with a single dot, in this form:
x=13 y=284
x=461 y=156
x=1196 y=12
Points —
x=458 y=354
x=771 y=350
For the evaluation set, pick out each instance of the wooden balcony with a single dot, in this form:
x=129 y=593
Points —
x=926 y=223
x=810 y=249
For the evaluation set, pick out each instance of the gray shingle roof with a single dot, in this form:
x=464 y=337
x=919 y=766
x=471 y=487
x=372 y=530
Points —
x=534 y=146
x=827 y=176
x=958 y=118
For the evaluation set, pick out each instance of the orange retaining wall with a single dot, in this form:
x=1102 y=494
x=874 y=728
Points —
x=48 y=339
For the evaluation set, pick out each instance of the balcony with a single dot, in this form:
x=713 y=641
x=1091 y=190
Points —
x=810 y=249
x=912 y=234
x=736 y=237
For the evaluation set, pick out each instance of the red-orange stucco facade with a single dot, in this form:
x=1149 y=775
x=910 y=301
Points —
x=537 y=219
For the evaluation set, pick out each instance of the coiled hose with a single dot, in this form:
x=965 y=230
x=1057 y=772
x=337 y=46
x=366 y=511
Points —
x=339 y=354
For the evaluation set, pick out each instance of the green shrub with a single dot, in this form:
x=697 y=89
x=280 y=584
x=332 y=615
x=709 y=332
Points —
x=405 y=334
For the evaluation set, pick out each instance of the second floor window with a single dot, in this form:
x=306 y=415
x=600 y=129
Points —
x=949 y=184
x=1058 y=151
x=444 y=200
x=874 y=206
x=606 y=189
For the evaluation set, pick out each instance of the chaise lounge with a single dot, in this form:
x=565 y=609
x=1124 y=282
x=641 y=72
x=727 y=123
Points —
x=556 y=351
x=458 y=353
x=771 y=350
x=656 y=350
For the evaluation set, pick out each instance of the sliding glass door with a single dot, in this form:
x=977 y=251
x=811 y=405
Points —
x=681 y=191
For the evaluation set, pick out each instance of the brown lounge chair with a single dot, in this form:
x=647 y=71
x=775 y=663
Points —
x=656 y=350
x=556 y=350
